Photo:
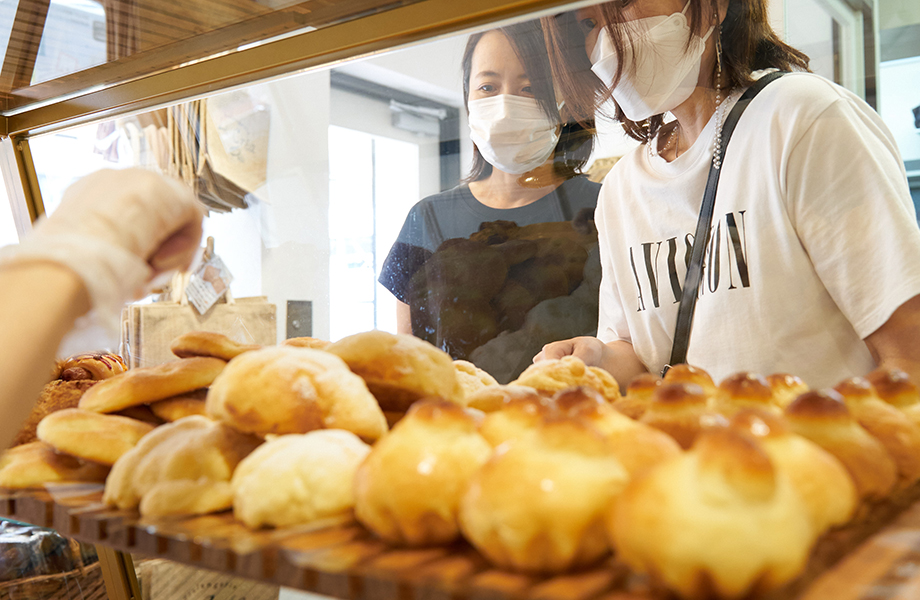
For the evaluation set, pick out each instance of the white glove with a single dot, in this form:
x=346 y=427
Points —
x=116 y=230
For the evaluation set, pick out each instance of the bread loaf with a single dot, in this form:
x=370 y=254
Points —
x=206 y=343
x=37 y=463
x=91 y=436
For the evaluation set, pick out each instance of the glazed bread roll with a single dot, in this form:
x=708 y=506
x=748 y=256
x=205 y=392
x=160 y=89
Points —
x=518 y=418
x=569 y=371
x=681 y=411
x=718 y=521
x=55 y=396
x=821 y=480
x=206 y=343
x=94 y=366
x=472 y=379
x=895 y=387
x=823 y=418
x=399 y=369
x=744 y=390
x=179 y=407
x=307 y=342
x=285 y=389
x=899 y=436
x=638 y=396
x=495 y=397
x=637 y=446
x=37 y=463
x=551 y=519
x=91 y=436
x=149 y=384
x=408 y=489
x=786 y=388
x=691 y=374
x=180 y=468
x=298 y=478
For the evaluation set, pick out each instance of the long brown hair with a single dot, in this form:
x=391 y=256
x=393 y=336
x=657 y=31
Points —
x=576 y=140
x=748 y=44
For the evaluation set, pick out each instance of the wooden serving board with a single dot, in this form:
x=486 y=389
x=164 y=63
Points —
x=340 y=558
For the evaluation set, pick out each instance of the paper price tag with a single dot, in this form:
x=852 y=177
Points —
x=208 y=284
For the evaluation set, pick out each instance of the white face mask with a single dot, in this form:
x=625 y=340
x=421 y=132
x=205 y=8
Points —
x=665 y=71
x=512 y=133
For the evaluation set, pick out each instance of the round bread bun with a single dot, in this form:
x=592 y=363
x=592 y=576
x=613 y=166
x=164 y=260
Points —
x=408 y=489
x=821 y=480
x=681 y=411
x=518 y=418
x=895 y=387
x=179 y=407
x=717 y=521
x=94 y=366
x=91 y=436
x=638 y=396
x=691 y=374
x=307 y=342
x=472 y=379
x=786 y=388
x=551 y=519
x=37 y=463
x=206 y=343
x=495 y=397
x=284 y=389
x=637 y=446
x=298 y=478
x=566 y=372
x=744 y=390
x=149 y=384
x=823 y=418
x=399 y=369
x=890 y=426
x=194 y=456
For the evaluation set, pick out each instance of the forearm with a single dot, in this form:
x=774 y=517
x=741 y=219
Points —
x=39 y=303
x=403 y=318
x=621 y=361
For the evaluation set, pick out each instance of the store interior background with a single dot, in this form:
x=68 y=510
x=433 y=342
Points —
x=346 y=152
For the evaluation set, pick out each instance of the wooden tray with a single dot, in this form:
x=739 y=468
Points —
x=341 y=559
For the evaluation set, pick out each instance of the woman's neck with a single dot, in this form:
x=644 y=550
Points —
x=697 y=110
x=506 y=190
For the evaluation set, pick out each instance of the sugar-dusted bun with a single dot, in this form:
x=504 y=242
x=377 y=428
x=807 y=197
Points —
x=195 y=456
x=891 y=427
x=551 y=519
x=149 y=384
x=495 y=397
x=94 y=366
x=638 y=396
x=680 y=410
x=472 y=379
x=518 y=418
x=91 y=436
x=408 y=489
x=718 y=521
x=284 y=389
x=307 y=342
x=637 y=446
x=56 y=395
x=823 y=418
x=399 y=369
x=37 y=463
x=566 y=372
x=294 y=479
x=206 y=343
x=786 y=388
x=691 y=374
x=744 y=390
x=179 y=407
x=821 y=480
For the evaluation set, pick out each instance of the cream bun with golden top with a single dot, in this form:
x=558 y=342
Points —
x=744 y=390
x=516 y=419
x=786 y=388
x=495 y=397
x=570 y=371
x=638 y=396
x=682 y=411
x=691 y=374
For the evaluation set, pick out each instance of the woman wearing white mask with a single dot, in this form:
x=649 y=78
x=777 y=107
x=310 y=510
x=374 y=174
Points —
x=526 y=170
x=812 y=260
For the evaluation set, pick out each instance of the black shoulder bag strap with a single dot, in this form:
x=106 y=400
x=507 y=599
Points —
x=691 y=288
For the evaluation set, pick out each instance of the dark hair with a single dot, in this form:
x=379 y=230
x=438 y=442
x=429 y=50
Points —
x=748 y=44
x=576 y=140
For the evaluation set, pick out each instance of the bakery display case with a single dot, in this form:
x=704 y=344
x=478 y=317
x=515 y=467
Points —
x=310 y=131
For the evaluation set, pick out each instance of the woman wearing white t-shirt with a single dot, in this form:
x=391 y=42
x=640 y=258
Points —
x=813 y=261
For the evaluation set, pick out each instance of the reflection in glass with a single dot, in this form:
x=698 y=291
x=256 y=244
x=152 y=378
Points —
x=74 y=38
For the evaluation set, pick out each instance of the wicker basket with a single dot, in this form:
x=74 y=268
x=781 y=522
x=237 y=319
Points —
x=85 y=583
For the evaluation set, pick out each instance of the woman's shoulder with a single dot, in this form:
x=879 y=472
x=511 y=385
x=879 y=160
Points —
x=801 y=94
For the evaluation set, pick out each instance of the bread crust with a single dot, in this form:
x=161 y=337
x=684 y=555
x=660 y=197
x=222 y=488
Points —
x=55 y=396
x=149 y=384
x=179 y=407
x=37 y=463
x=206 y=343
x=91 y=436
x=681 y=410
x=569 y=371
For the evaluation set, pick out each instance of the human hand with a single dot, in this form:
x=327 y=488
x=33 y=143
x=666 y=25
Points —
x=589 y=349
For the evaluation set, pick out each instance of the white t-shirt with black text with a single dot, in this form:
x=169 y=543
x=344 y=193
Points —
x=814 y=241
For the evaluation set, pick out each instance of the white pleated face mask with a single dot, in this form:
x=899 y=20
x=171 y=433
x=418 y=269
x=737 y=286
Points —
x=512 y=133
x=665 y=71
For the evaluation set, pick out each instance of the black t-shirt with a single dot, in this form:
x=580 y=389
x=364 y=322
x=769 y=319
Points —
x=456 y=213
